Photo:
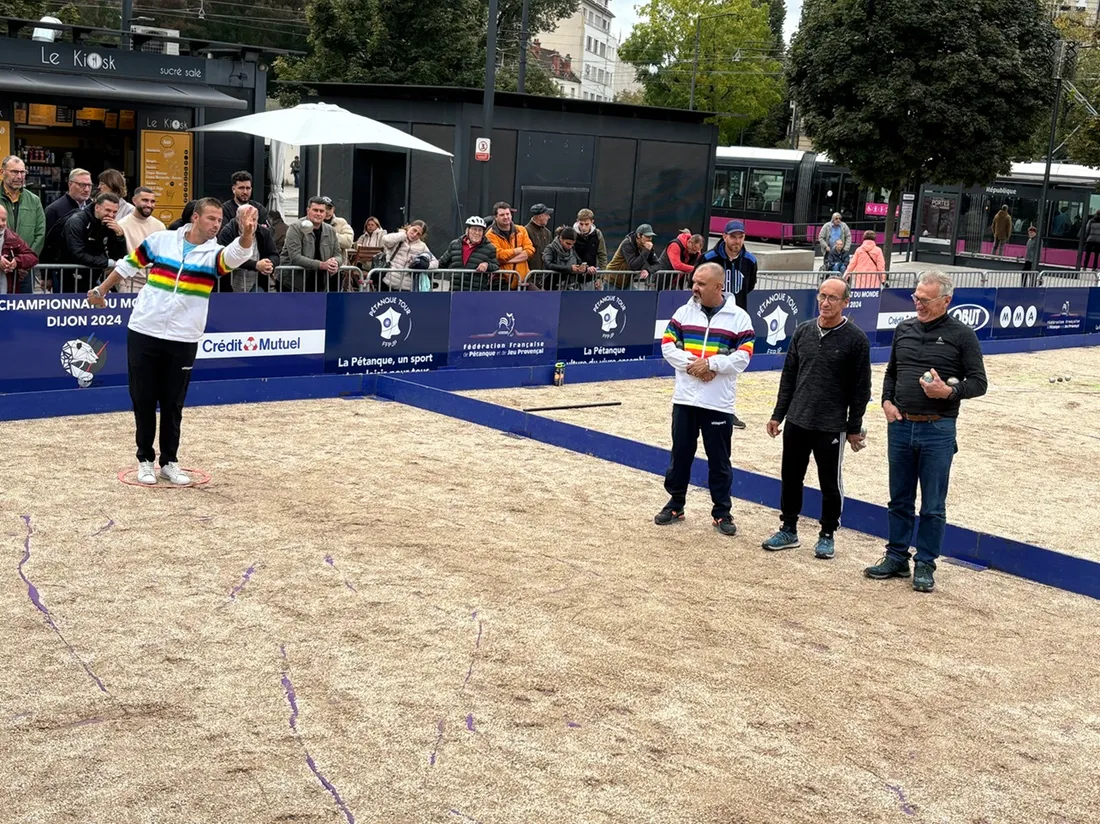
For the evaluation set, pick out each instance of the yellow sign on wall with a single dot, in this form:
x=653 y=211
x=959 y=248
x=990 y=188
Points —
x=166 y=168
x=5 y=138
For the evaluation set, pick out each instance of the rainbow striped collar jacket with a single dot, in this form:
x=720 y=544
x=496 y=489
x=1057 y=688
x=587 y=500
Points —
x=725 y=340
x=174 y=302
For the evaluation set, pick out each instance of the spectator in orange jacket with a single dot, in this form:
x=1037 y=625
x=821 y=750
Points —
x=514 y=246
x=867 y=269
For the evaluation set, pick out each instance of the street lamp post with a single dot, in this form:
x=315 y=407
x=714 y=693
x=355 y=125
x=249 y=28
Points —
x=488 y=97
x=1060 y=51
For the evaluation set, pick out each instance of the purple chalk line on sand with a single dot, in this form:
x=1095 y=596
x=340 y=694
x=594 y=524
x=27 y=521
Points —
x=36 y=599
x=438 y=741
x=101 y=530
x=906 y=807
x=347 y=583
x=463 y=815
x=292 y=699
x=248 y=573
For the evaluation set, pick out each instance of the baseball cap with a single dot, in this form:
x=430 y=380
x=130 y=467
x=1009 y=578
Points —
x=541 y=209
x=327 y=201
x=735 y=226
x=645 y=229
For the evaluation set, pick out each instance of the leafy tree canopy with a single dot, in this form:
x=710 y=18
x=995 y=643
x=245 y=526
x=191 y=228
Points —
x=738 y=73
x=938 y=89
x=934 y=90
x=427 y=42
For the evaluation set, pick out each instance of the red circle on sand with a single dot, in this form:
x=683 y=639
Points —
x=198 y=478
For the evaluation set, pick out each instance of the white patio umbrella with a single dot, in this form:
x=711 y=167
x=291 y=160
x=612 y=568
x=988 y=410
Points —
x=321 y=124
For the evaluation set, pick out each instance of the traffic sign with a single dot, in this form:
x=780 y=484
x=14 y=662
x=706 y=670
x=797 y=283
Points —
x=481 y=148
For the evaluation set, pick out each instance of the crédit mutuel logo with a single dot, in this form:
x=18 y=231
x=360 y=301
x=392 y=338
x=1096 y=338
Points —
x=394 y=318
x=261 y=344
x=81 y=59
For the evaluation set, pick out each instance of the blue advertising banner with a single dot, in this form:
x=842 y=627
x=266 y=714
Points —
x=1065 y=310
x=974 y=307
x=387 y=331
x=262 y=336
x=1092 y=323
x=862 y=311
x=60 y=342
x=597 y=326
x=667 y=304
x=492 y=330
x=1019 y=313
x=775 y=313
x=895 y=305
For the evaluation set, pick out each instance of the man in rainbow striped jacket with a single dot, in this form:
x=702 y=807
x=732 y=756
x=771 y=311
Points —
x=168 y=320
x=709 y=342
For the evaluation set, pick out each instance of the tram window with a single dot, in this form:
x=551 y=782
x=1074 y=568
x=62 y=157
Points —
x=937 y=219
x=737 y=188
x=1094 y=204
x=765 y=191
x=729 y=189
x=1066 y=219
x=721 y=189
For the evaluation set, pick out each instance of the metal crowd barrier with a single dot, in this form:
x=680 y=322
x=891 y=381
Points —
x=64 y=278
x=1059 y=277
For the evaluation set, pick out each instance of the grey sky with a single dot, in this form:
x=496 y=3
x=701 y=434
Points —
x=626 y=17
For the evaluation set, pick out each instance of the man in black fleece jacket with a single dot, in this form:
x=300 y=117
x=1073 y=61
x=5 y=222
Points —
x=823 y=393
x=935 y=363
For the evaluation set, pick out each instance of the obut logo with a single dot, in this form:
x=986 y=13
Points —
x=394 y=318
x=611 y=310
x=973 y=315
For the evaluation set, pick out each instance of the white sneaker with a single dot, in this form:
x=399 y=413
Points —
x=146 y=473
x=171 y=472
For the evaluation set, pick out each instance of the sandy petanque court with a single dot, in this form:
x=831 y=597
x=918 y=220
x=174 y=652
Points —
x=1028 y=465
x=374 y=613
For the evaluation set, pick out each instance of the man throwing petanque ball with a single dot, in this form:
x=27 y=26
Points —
x=169 y=319
x=935 y=363
x=708 y=342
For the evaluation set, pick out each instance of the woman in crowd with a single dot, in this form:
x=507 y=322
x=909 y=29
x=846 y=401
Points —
x=406 y=249
x=867 y=269
x=113 y=181
x=372 y=233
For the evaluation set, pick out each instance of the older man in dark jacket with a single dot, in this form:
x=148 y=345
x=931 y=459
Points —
x=473 y=252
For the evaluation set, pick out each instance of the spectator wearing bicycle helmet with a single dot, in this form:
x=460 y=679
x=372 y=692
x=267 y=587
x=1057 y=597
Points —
x=472 y=252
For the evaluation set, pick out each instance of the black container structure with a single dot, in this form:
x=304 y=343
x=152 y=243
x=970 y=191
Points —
x=629 y=164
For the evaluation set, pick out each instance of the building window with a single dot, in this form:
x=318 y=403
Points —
x=588 y=44
x=603 y=49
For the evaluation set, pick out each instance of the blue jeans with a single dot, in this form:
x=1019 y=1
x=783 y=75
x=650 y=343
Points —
x=919 y=453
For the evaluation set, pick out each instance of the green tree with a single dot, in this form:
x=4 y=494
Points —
x=921 y=90
x=537 y=81
x=738 y=74
x=426 y=42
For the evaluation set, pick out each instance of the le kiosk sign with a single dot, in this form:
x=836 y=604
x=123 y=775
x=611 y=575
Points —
x=106 y=62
